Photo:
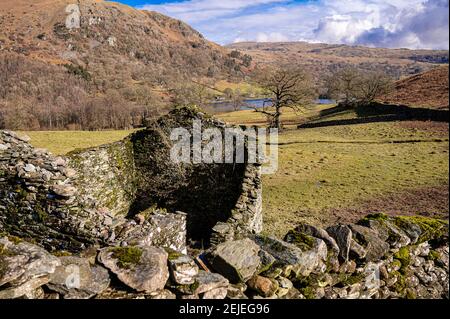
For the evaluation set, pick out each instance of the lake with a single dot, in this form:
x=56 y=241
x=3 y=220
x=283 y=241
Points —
x=225 y=107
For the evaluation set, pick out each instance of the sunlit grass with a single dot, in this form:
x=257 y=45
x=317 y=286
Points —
x=62 y=142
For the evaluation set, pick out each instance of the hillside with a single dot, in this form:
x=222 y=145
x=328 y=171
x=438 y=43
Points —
x=320 y=59
x=111 y=36
x=428 y=89
x=110 y=51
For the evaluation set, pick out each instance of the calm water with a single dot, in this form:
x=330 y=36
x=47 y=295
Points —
x=224 y=107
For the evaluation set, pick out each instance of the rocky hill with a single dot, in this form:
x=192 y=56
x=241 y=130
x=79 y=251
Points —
x=428 y=89
x=96 y=53
x=321 y=58
x=107 y=37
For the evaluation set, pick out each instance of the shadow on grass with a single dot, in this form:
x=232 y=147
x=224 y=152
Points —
x=377 y=112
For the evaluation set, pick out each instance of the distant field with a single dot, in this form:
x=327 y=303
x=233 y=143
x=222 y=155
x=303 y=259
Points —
x=338 y=173
x=289 y=116
x=62 y=142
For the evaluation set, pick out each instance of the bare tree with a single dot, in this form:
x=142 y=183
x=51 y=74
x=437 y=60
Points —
x=191 y=94
x=375 y=85
x=352 y=86
x=344 y=85
x=287 y=88
x=237 y=99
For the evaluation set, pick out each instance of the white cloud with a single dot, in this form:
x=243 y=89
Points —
x=394 y=23
x=271 y=37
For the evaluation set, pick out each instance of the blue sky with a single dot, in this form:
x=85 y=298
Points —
x=378 y=23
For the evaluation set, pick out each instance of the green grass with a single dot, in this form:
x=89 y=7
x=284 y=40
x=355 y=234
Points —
x=62 y=142
x=314 y=177
x=337 y=167
x=289 y=117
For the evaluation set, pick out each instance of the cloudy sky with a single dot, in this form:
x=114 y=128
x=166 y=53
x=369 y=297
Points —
x=380 y=23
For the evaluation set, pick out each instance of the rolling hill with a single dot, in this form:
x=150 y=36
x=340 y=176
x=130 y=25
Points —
x=62 y=69
x=428 y=89
x=321 y=59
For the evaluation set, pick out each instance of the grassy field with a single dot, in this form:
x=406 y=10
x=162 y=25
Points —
x=335 y=173
x=339 y=173
x=62 y=142
x=289 y=116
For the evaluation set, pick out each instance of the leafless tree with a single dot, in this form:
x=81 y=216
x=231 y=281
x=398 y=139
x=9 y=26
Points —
x=287 y=88
x=352 y=86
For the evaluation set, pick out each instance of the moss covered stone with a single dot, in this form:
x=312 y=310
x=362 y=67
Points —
x=378 y=216
x=404 y=256
x=431 y=228
x=301 y=240
x=127 y=256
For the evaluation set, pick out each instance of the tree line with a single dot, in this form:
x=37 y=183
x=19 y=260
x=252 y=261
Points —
x=38 y=96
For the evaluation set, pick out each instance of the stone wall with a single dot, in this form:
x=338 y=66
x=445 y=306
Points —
x=131 y=187
x=70 y=203
x=380 y=257
x=105 y=177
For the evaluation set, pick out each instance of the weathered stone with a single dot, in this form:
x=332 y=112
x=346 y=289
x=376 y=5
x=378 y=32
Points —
x=267 y=260
x=163 y=294
x=23 y=262
x=389 y=232
x=302 y=262
x=306 y=236
x=319 y=233
x=265 y=287
x=237 y=291
x=284 y=286
x=76 y=279
x=24 y=289
x=141 y=268
x=183 y=269
x=374 y=246
x=37 y=293
x=65 y=191
x=30 y=168
x=206 y=281
x=236 y=260
x=356 y=250
x=343 y=237
x=218 y=293
x=348 y=267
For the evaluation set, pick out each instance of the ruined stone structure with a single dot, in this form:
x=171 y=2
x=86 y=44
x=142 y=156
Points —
x=126 y=211
x=125 y=192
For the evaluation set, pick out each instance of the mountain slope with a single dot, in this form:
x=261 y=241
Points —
x=321 y=59
x=114 y=55
x=109 y=33
x=428 y=89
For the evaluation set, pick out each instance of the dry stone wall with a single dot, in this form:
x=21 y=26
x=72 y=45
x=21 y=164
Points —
x=380 y=257
x=127 y=192
x=105 y=177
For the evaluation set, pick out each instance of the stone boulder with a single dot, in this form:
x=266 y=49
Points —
x=24 y=267
x=183 y=268
x=375 y=247
x=141 y=268
x=387 y=231
x=77 y=279
x=265 y=287
x=342 y=235
x=307 y=236
x=237 y=260
x=301 y=260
